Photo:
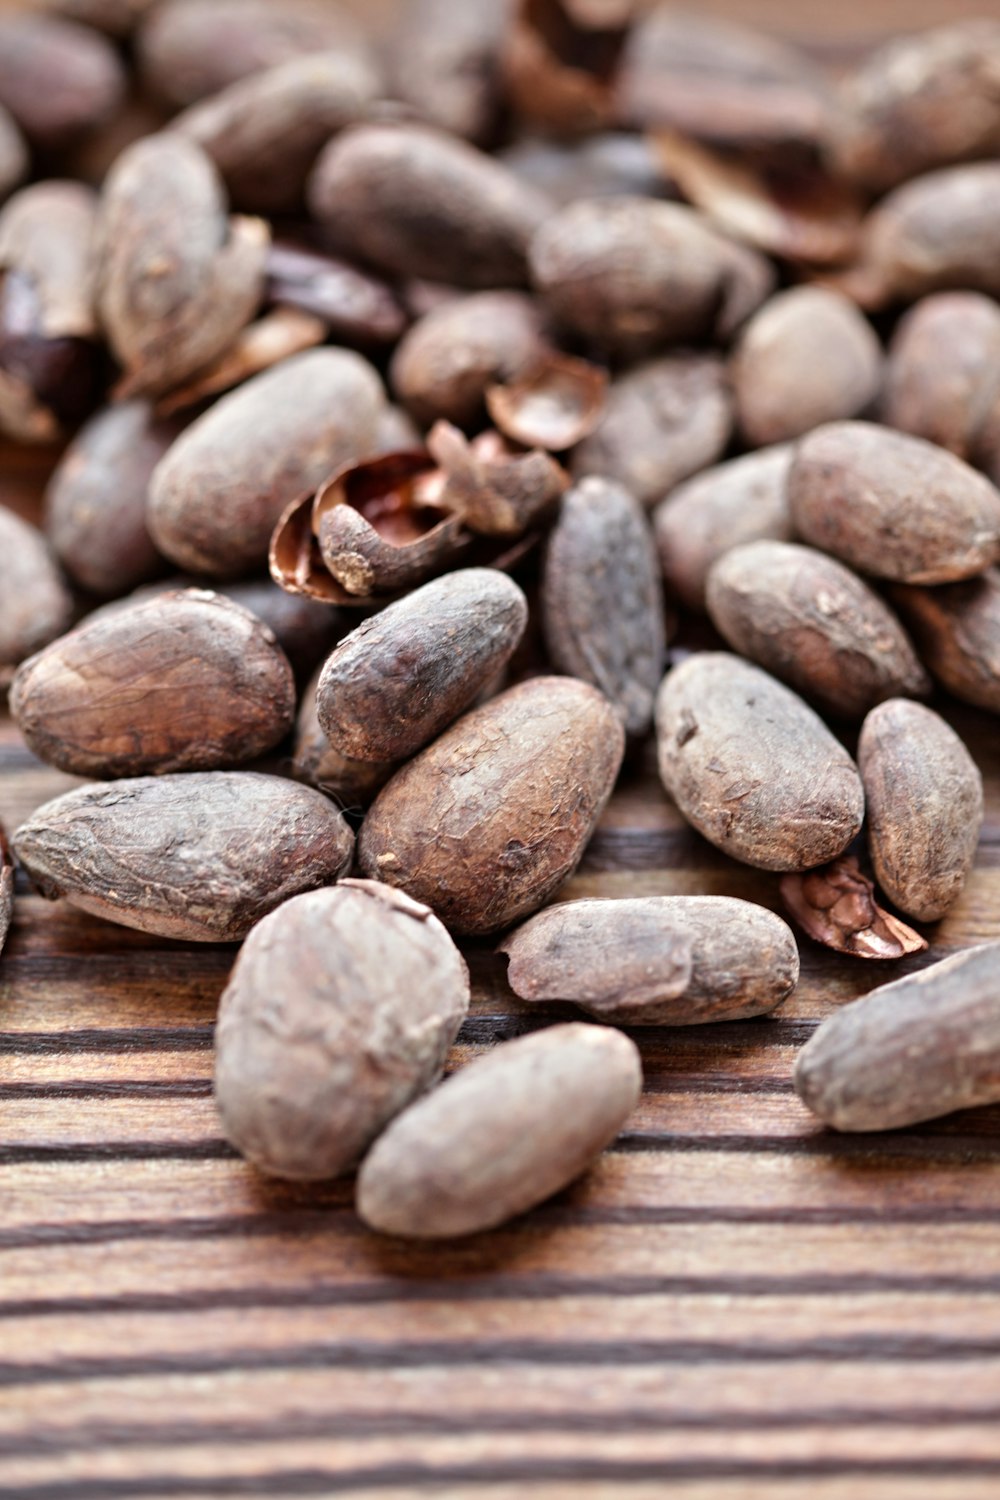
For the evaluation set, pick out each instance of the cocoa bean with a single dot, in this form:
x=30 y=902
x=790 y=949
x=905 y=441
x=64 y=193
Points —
x=37 y=605
x=957 y=631
x=351 y=783
x=57 y=79
x=941 y=373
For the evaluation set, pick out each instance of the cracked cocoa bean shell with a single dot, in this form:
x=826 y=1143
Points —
x=37 y=605
x=656 y=960
x=924 y=796
x=489 y=820
x=815 y=625
x=502 y=1134
x=371 y=992
x=957 y=631
x=200 y=856
x=892 y=505
x=219 y=491
x=183 y=682
x=941 y=372
x=743 y=500
x=752 y=767
x=912 y=1050
x=602 y=599
x=404 y=675
x=417 y=203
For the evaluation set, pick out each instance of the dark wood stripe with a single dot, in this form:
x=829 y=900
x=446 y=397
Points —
x=142 y=1039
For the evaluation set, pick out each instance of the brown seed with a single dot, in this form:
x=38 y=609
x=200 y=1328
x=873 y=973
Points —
x=957 y=631
x=403 y=676
x=740 y=501
x=892 y=505
x=200 y=856
x=448 y=359
x=95 y=505
x=352 y=783
x=497 y=489
x=177 y=277
x=919 y=102
x=257 y=347
x=836 y=906
x=656 y=960
x=414 y=202
x=808 y=356
x=721 y=83
x=915 y=1049
x=501 y=1135
x=57 y=79
x=446 y=63
x=752 y=767
x=37 y=605
x=924 y=796
x=6 y=888
x=555 y=404
x=664 y=421
x=941 y=372
x=340 y=1010
x=814 y=624
x=630 y=275
x=305 y=630
x=13 y=154
x=602 y=601
x=116 y=17
x=487 y=822
x=189 y=49
x=218 y=493
x=51 y=367
x=358 y=308
x=265 y=131
x=187 y=681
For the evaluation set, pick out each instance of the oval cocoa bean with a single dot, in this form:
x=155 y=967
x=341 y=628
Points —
x=752 y=767
x=352 y=783
x=37 y=605
x=941 y=372
x=602 y=601
x=501 y=1135
x=957 y=631
x=200 y=856
x=219 y=491
x=892 y=505
x=815 y=625
x=743 y=500
x=401 y=677
x=371 y=992
x=492 y=817
x=59 y=80
x=924 y=796
x=183 y=682
x=417 y=203
x=938 y=232
x=913 y=1050
x=656 y=960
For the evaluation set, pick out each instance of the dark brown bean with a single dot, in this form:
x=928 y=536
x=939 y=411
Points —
x=186 y=681
x=200 y=856
x=941 y=372
x=357 y=307
x=37 y=605
x=351 y=783
x=57 y=79
x=446 y=63
x=957 y=631
x=371 y=990
x=752 y=767
x=488 y=821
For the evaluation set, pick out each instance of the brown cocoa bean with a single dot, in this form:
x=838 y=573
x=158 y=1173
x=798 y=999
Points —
x=218 y=493
x=941 y=372
x=305 y=630
x=358 y=308
x=602 y=601
x=892 y=505
x=920 y=102
x=186 y=681
x=51 y=367
x=414 y=202
x=814 y=624
x=57 y=79
x=664 y=421
x=189 y=49
x=200 y=856
x=752 y=767
x=656 y=960
x=912 y=1050
x=371 y=992
x=6 y=888
x=13 y=154
x=95 y=504
x=177 y=277
x=265 y=132
x=487 y=822
x=630 y=275
x=957 y=631
x=445 y=363
x=807 y=356
x=352 y=783
x=446 y=64
x=37 y=605
x=924 y=796
x=501 y=1135
x=116 y=17
x=740 y=501
x=403 y=676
